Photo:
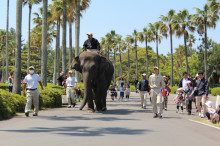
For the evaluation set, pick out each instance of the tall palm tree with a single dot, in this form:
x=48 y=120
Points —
x=17 y=73
x=57 y=11
x=158 y=28
x=129 y=40
x=30 y=3
x=135 y=35
x=205 y=18
x=171 y=21
x=148 y=37
x=184 y=24
x=44 y=45
x=7 y=23
x=191 y=40
x=64 y=38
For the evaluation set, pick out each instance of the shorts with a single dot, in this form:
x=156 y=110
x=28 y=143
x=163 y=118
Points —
x=122 y=94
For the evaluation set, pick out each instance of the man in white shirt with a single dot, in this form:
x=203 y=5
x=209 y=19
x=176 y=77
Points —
x=156 y=82
x=70 y=93
x=30 y=84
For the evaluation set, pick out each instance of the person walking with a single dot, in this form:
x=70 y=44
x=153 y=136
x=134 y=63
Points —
x=127 y=92
x=189 y=97
x=70 y=84
x=179 y=100
x=156 y=83
x=201 y=93
x=10 y=81
x=165 y=93
x=30 y=85
x=143 y=89
x=91 y=44
x=78 y=93
x=60 y=79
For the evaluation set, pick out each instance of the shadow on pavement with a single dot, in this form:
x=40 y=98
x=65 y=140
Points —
x=83 y=131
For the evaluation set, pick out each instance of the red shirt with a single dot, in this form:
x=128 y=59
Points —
x=165 y=91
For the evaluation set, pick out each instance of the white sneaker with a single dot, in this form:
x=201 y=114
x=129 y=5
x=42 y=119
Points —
x=202 y=116
x=199 y=114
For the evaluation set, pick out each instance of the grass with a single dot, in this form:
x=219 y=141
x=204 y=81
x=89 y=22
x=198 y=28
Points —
x=205 y=121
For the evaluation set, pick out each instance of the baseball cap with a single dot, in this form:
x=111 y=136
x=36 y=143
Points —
x=90 y=33
x=31 y=67
x=70 y=71
x=156 y=67
x=143 y=74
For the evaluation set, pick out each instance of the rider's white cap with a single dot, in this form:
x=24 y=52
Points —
x=90 y=33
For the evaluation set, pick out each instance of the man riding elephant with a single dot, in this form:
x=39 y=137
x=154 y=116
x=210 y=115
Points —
x=91 y=44
x=97 y=72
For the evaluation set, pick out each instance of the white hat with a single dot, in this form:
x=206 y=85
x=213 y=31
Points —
x=180 y=89
x=70 y=71
x=90 y=33
x=156 y=68
x=143 y=74
x=208 y=103
x=31 y=67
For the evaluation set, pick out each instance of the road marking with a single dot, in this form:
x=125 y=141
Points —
x=204 y=124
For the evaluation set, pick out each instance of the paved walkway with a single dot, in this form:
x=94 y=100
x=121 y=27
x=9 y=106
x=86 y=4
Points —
x=124 y=124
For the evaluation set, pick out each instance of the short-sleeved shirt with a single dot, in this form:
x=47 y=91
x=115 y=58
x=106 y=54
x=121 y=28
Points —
x=61 y=79
x=91 y=44
x=32 y=81
x=70 y=81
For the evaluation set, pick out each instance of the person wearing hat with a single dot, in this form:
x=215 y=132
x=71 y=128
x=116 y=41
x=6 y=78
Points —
x=70 y=93
x=156 y=83
x=91 y=44
x=202 y=91
x=143 y=89
x=30 y=85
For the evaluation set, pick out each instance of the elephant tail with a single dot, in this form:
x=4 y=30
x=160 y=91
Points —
x=83 y=104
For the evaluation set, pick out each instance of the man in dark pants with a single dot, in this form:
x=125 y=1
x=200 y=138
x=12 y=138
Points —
x=91 y=44
x=143 y=88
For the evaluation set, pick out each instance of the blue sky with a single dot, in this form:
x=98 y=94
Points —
x=123 y=16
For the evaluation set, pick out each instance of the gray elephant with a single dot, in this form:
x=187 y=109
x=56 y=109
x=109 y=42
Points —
x=97 y=72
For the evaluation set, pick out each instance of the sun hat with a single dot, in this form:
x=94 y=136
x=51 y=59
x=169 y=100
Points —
x=208 y=103
x=90 y=33
x=70 y=71
x=31 y=67
x=156 y=67
x=143 y=74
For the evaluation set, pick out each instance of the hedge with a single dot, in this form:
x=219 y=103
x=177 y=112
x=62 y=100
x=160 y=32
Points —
x=215 y=91
x=173 y=89
x=12 y=103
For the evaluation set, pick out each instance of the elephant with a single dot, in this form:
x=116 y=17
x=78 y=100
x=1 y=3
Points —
x=97 y=72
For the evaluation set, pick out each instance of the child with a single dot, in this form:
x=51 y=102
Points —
x=113 y=92
x=165 y=93
x=212 y=114
x=122 y=89
x=116 y=92
x=189 y=97
x=127 y=92
x=78 y=93
x=179 y=100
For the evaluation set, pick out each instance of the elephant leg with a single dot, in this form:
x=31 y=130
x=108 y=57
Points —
x=98 y=97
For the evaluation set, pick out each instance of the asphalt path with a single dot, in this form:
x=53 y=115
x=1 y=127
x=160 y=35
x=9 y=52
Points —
x=123 y=124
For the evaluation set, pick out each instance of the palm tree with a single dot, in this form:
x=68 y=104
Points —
x=205 y=18
x=135 y=35
x=7 y=23
x=184 y=24
x=30 y=3
x=44 y=45
x=17 y=73
x=148 y=37
x=57 y=11
x=119 y=43
x=191 y=40
x=129 y=40
x=157 y=28
x=64 y=38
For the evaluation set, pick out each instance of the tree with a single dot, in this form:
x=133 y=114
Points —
x=44 y=45
x=130 y=40
x=17 y=73
x=135 y=35
x=148 y=37
x=184 y=25
x=30 y=3
x=191 y=40
x=7 y=23
x=77 y=30
x=64 y=38
x=171 y=21
x=205 y=18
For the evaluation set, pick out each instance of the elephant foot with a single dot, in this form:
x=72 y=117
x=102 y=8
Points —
x=89 y=110
x=104 y=109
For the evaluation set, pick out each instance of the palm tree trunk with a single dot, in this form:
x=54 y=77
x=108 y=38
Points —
x=44 y=45
x=146 y=58
x=157 y=51
x=136 y=73
x=29 y=36
x=114 y=64
x=77 y=30
x=186 y=53
x=171 y=49
x=108 y=52
x=120 y=62
x=17 y=73
x=205 y=53
x=7 y=39
x=58 y=46
x=3 y=64
x=64 y=39
x=70 y=44
x=128 y=65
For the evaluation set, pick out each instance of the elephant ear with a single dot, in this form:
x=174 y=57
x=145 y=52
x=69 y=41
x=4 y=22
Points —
x=104 y=64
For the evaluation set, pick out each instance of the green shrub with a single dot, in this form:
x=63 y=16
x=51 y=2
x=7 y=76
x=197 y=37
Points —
x=173 y=89
x=215 y=91
x=3 y=86
x=132 y=88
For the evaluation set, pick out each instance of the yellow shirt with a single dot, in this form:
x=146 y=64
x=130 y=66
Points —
x=156 y=82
